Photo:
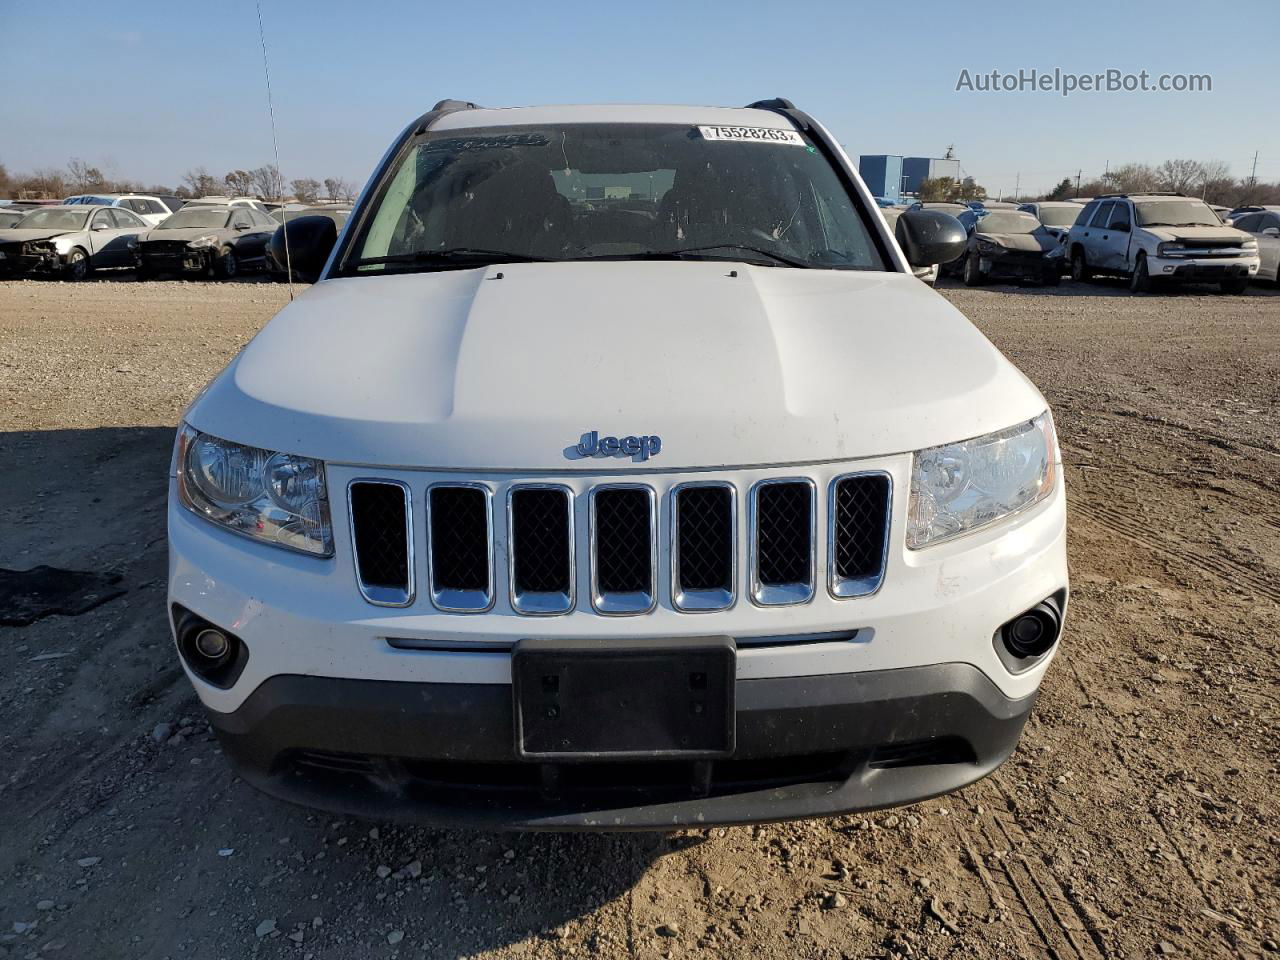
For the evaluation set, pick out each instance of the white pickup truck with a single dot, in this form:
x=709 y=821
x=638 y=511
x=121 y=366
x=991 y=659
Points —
x=617 y=473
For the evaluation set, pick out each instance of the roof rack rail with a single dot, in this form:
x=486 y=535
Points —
x=439 y=110
x=1140 y=193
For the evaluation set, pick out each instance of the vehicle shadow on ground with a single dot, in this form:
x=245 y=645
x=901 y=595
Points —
x=92 y=777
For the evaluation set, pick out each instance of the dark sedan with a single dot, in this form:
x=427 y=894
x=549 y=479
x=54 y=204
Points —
x=1006 y=245
x=209 y=240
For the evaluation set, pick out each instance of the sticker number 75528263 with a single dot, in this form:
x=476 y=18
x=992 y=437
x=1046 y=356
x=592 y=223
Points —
x=752 y=135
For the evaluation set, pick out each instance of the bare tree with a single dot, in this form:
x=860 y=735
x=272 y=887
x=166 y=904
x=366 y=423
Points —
x=307 y=190
x=1132 y=178
x=43 y=184
x=84 y=177
x=1181 y=176
x=267 y=182
x=239 y=182
x=5 y=184
x=201 y=182
x=339 y=188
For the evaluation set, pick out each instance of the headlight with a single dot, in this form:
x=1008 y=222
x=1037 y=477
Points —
x=209 y=241
x=1249 y=245
x=960 y=487
x=276 y=497
x=1165 y=249
x=988 y=248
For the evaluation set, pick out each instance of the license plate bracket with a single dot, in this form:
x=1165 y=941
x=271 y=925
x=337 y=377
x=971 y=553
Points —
x=598 y=700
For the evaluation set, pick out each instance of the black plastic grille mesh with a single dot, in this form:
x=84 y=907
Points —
x=623 y=537
x=783 y=532
x=705 y=538
x=540 y=540
x=382 y=548
x=862 y=512
x=459 y=539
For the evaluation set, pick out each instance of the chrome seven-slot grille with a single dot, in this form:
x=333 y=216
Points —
x=539 y=564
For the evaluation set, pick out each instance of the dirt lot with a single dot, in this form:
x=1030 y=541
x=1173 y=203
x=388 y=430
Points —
x=1139 y=817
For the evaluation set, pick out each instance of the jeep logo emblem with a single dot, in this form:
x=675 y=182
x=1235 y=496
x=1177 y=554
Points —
x=638 y=449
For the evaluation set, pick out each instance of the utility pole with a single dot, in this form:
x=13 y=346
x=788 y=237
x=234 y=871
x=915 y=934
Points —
x=1253 y=175
x=1078 y=172
x=1017 y=184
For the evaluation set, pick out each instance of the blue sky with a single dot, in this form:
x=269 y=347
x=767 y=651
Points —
x=148 y=90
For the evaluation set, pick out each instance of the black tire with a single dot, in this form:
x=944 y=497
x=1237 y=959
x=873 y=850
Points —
x=972 y=273
x=226 y=267
x=1080 y=271
x=1051 y=277
x=1140 y=278
x=1235 y=284
x=142 y=272
x=77 y=266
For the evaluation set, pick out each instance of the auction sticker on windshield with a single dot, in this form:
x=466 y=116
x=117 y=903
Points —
x=752 y=135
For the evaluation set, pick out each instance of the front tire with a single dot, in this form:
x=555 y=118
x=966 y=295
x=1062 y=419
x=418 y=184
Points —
x=972 y=271
x=1051 y=277
x=227 y=266
x=1235 y=284
x=77 y=266
x=1140 y=279
x=1080 y=272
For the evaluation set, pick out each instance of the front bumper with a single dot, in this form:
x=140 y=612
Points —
x=443 y=753
x=186 y=260
x=1202 y=269
x=1019 y=266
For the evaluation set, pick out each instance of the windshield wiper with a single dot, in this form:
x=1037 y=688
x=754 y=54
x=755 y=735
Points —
x=455 y=255
x=691 y=253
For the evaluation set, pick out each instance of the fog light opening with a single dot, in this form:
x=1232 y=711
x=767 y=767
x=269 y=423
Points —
x=214 y=655
x=212 y=645
x=1033 y=634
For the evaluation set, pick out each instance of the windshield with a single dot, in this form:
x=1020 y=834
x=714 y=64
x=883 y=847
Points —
x=196 y=216
x=612 y=191
x=1007 y=221
x=55 y=220
x=89 y=199
x=1176 y=213
x=1059 y=216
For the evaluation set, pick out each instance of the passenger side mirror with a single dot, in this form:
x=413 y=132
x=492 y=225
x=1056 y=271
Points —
x=1271 y=232
x=98 y=225
x=930 y=237
x=311 y=240
x=1121 y=227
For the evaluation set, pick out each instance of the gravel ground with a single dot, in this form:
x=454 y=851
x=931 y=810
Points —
x=1139 y=816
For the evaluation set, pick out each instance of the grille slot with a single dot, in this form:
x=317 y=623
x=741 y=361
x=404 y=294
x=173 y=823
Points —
x=703 y=540
x=381 y=540
x=461 y=547
x=859 y=534
x=540 y=542
x=783 y=541
x=623 y=549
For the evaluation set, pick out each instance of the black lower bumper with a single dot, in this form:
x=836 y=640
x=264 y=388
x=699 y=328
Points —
x=1210 y=271
x=444 y=753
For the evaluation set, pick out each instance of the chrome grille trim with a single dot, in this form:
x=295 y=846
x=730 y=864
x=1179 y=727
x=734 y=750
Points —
x=450 y=600
x=632 y=603
x=378 y=594
x=780 y=594
x=541 y=603
x=703 y=601
x=846 y=588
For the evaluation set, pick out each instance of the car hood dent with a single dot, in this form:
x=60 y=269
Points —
x=1025 y=242
x=187 y=233
x=460 y=369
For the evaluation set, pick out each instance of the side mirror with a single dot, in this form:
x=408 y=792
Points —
x=98 y=225
x=311 y=240
x=1271 y=232
x=929 y=237
x=1121 y=227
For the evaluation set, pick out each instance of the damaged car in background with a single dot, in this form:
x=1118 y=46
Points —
x=71 y=241
x=212 y=240
x=1007 y=245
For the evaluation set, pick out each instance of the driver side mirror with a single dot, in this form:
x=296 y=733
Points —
x=98 y=225
x=311 y=240
x=930 y=237
x=1271 y=232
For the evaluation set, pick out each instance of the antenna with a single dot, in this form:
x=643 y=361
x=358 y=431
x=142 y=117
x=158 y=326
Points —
x=275 y=147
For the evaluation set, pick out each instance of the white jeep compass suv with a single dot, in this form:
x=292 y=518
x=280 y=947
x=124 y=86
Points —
x=617 y=473
x=1157 y=237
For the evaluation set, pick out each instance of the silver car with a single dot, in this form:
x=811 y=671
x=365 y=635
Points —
x=71 y=241
x=1265 y=228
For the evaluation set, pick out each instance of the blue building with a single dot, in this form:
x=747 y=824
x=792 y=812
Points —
x=882 y=173
x=916 y=169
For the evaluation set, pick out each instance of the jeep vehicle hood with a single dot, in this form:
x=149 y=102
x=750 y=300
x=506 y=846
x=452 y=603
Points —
x=507 y=367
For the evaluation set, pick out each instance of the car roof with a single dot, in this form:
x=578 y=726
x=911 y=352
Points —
x=77 y=207
x=1056 y=203
x=611 y=113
